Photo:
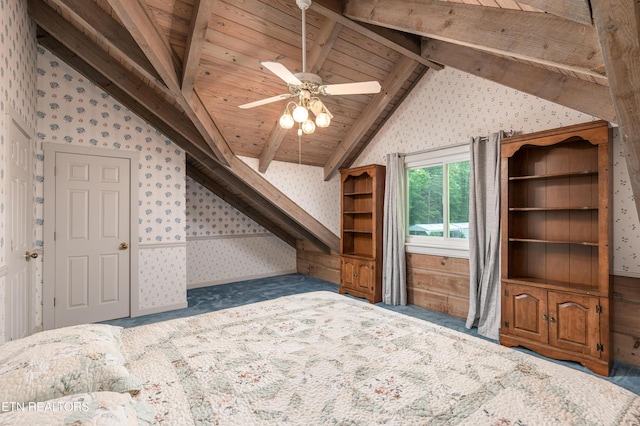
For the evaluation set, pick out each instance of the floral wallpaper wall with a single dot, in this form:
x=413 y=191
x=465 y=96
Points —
x=72 y=110
x=210 y=216
x=305 y=185
x=449 y=107
x=17 y=93
x=224 y=245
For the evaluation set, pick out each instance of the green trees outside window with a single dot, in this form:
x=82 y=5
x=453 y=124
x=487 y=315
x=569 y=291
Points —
x=439 y=200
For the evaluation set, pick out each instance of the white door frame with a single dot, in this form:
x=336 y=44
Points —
x=48 y=291
x=12 y=118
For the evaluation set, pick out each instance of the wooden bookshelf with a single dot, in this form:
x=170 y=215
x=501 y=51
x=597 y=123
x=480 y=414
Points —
x=555 y=243
x=361 y=232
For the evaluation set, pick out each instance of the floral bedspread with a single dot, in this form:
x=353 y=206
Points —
x=321 y=358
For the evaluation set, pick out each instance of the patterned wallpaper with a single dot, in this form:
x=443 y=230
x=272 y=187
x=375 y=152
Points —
x=72 y=110
x=17 y=93
x=208 y=215
x=224 y=245
x=222 y=260
x=449 y=107
x=305 y=185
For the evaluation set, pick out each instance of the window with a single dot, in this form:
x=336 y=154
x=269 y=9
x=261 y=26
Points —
x=438 y=202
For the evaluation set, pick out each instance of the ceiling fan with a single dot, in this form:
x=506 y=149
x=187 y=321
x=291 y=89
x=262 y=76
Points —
x=307 y=87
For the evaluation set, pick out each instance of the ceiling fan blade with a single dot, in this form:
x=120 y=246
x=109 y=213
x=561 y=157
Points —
x=351 y=88
x=266 y=101
x=316 y=107
x=281 y=71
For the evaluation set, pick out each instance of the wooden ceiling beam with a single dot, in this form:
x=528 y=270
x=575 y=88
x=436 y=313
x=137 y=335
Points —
x=581 y=95
x=536 y=37
x=159 y=117
x=113 y=75
x=197 y=32
x=618 y=25
x=390 y=87
x=409 y=48
x=137 y=21
x=316 y=57
x=575 y=10
x=98 y=22
x=314 y=231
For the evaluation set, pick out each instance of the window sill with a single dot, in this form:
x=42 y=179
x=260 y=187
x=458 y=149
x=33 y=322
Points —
x=434 y=250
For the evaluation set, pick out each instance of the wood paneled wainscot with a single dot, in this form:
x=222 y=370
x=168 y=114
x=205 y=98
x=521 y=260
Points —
x=438 y=283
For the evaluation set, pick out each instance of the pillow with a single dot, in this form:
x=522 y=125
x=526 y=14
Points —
x=99 y=408
x=70 y=360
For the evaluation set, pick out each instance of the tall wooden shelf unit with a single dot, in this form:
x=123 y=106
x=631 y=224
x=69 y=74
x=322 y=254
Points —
x=555 y=244
x=361 y=232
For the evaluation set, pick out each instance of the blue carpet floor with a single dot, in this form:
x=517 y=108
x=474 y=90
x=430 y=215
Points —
x=208 y=299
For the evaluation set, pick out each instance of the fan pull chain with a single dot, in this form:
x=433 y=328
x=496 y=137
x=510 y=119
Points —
x=299 y=145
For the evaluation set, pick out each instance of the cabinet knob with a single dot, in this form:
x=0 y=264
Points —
x=552 y=320
x=544 y=317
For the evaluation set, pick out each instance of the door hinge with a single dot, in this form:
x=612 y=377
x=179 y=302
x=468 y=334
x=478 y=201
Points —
x=598 y=309
x=506 y=324
x=506 y=292
x=54 y=301
x=600 y=347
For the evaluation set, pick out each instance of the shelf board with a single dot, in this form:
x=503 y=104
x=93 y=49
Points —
x=530 y=240
x=357 y=231
x=549 y=209
x=363 y=256
x=556 y=285
x=359 y=212
x=351 y=194
x=554 y=175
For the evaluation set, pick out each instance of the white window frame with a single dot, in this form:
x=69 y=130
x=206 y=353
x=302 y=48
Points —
x=439 y=246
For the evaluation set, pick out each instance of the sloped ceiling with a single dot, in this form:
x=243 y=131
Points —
x=186 y=65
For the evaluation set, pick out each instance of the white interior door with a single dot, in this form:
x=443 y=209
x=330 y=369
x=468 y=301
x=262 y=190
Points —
x=92 y=231
x=19 y=310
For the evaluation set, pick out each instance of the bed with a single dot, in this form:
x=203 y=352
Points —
x=315 y=358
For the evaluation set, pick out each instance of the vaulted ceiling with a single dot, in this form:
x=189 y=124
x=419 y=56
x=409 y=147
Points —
x=186 y=65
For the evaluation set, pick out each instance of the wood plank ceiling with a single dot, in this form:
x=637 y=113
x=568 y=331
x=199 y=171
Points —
x=186 y=65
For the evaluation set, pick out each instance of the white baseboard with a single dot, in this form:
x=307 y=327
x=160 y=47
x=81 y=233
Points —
x=156 y=310
x=243 y=278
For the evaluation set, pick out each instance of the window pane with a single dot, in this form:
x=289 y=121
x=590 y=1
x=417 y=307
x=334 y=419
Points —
x=425 y=201
x=459 y=199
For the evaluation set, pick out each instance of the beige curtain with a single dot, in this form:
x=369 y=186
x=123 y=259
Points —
x=484 y=236
x=394 y=272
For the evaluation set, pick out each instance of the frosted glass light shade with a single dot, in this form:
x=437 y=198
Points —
x=300 y=114
x=286 y=121
x=308 y=127
x=323 y=119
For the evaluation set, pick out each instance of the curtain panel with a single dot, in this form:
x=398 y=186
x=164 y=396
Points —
x=484 y=236
x=394 y=275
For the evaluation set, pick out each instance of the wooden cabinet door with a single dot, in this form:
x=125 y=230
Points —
x=525 y=311
x=347 y=273
x=574 y=322
x=364 y=281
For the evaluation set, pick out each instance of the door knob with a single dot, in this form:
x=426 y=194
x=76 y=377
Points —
x=124 y=246
x=30 y=256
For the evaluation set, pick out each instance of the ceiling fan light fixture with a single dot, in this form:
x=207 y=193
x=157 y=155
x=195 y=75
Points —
x=308 y=127
x=323 y=119
x=300 y=114
x=287 y=121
